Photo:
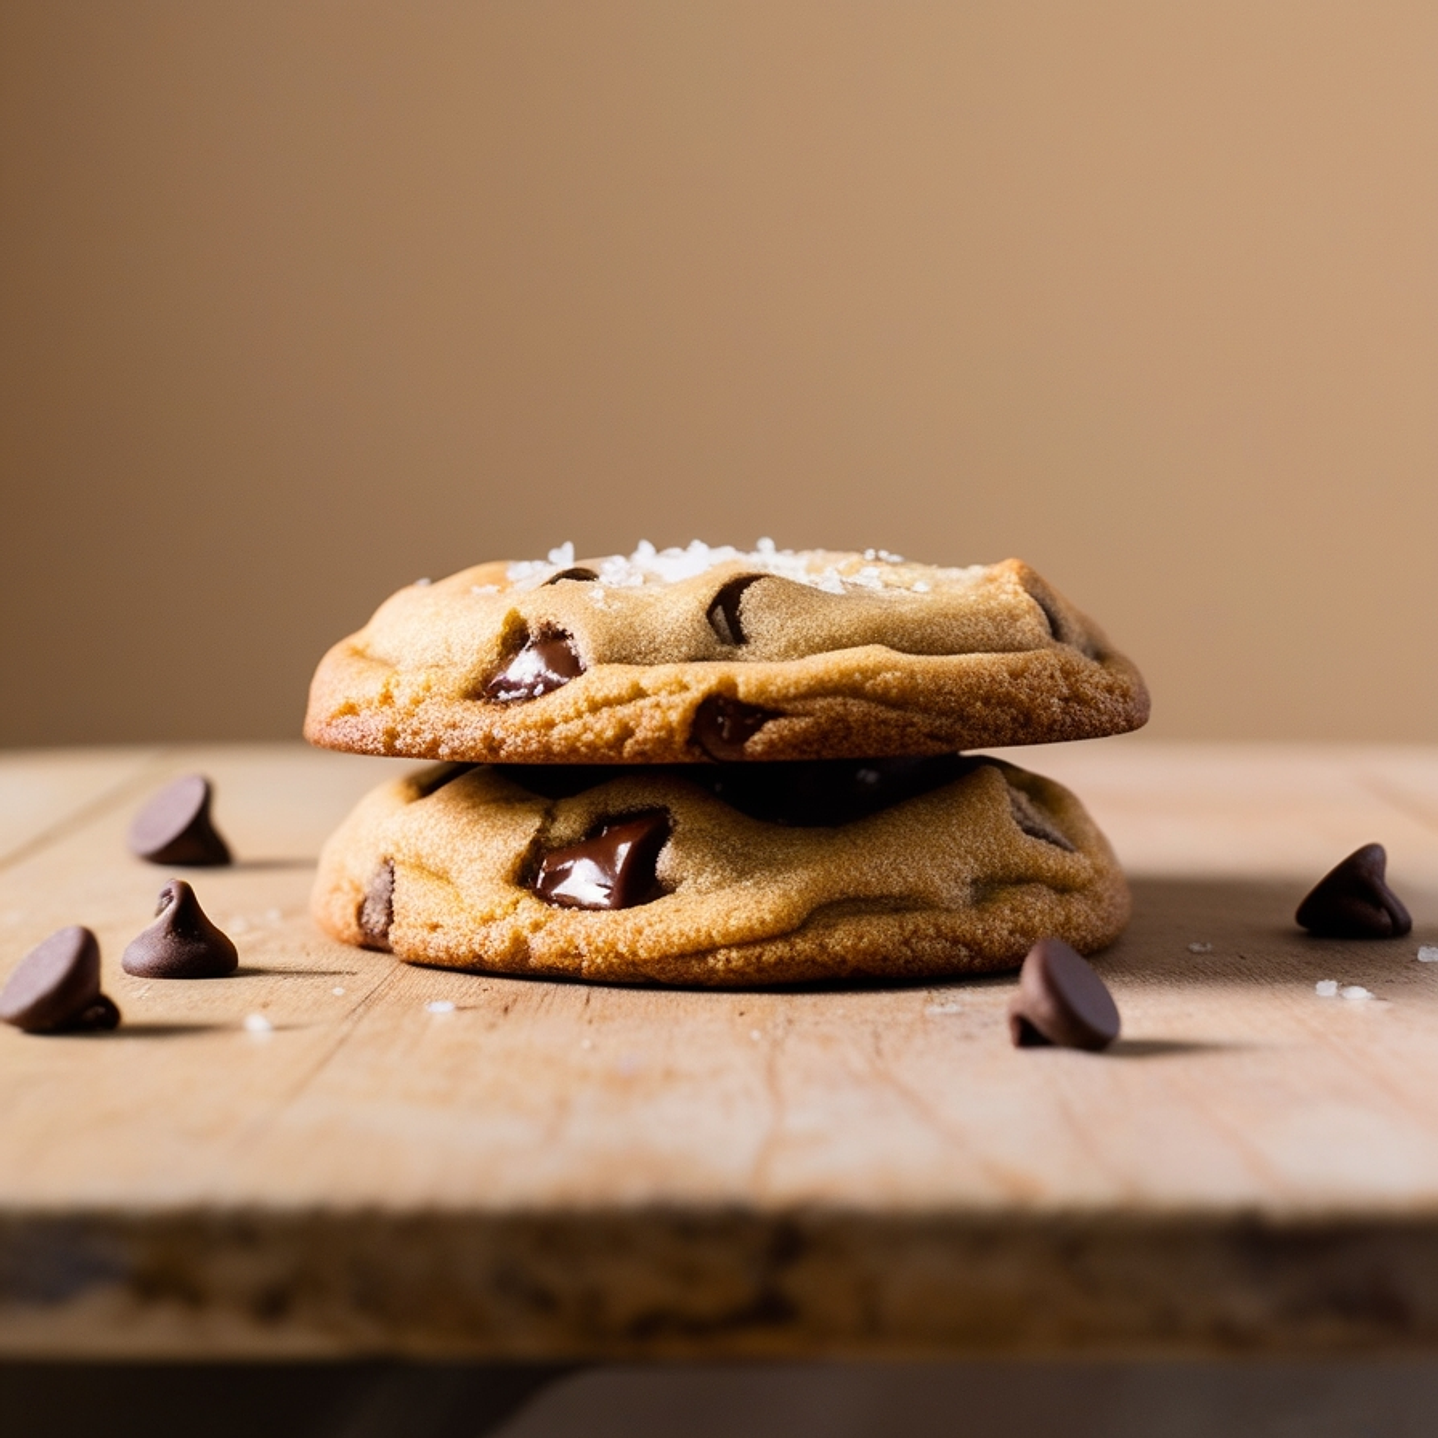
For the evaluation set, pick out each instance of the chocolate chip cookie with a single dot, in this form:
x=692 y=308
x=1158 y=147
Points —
x=721 y=874
x=709 y=654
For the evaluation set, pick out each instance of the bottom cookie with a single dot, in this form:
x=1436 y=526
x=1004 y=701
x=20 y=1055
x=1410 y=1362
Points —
x=721 y=875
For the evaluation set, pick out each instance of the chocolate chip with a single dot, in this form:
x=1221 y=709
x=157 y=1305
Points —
x=101 y=1017
x=578 y=572
x=174 y=827
x=613 y=869
x=57 y=987
x=546 y=660
x=376 y=911
x=1353 y=900
x=722 y=725
x=723 y=611
x=182 y=943
x=1061 y=1000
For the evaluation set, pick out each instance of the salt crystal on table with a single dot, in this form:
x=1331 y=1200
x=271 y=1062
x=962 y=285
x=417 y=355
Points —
x=1200 y=948
x=258 y=1024
x=1355 y=991
x=440 y=1006
x=336 y=992
x=1326 y=988
x=1428 y=954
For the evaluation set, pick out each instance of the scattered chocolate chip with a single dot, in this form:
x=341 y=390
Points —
x=1353 y=900
x=182 y=943
x=545 y=661
x=578 y=572
x=376 y=911
x=56 y=987
x=174 y=827
x=723 y=611
x=101 y=1017
x=722 y=726
x=613 y=869
x=1035 y=822
x=1061 y=1000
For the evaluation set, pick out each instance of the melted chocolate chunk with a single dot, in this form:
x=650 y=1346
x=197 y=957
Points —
x=545 y=661
x=376 y=910
x=723 y=611
x=722 y=726
x=1353 y=900
x=1061 y=1000
x=182 y=943
x=174 y=827
x=56 y=987
x=578 y=572
x=802 y=793
x=612 y=869
x=1035 y=822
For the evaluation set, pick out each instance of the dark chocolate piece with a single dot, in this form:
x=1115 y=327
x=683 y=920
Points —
x=578 y=572
x=174 y=827
x=545 y=661
x=57 y=987
x=723 y=611
x=101 y=1017
x=1353 y=900
x=1061 y=1000
x=376 y=911
x=723 y=725
x=613 y=869
x=182 y=943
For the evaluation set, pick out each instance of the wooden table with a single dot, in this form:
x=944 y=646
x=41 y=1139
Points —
x=560 y=1172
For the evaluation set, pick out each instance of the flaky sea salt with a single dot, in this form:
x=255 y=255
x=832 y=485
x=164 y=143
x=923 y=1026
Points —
x=337 y=992
x=1354 y=991
x=1326 y=988
x=423 y=583
x=440 y=1006
x=1200 y=948
x=1428 y=954
x=258 y=1024
x=648 y=565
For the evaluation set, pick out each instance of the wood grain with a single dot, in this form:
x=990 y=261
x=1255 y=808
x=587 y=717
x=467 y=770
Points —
x=566 y=1170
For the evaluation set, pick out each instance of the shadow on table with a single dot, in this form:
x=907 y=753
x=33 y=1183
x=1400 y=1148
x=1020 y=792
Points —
x=1237 y=931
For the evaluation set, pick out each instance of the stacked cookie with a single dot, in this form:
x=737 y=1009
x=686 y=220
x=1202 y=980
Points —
x=706 y=766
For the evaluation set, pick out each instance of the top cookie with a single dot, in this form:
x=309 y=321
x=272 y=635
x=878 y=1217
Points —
x=712 y=653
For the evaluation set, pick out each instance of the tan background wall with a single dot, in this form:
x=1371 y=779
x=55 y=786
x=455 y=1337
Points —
x=303 y=300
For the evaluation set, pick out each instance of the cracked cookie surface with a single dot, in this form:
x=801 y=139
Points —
x=713 y=654
x=721 y=875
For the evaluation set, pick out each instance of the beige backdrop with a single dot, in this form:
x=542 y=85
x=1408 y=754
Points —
x=304 y=300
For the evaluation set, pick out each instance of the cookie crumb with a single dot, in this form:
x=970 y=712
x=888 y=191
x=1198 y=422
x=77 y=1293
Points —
x=1354 y=991
x=1200 y=948
x=258 y=1024
x=440 y=1006
x=1428 y=953
x=1326 y=988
